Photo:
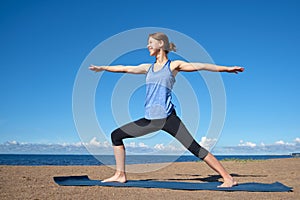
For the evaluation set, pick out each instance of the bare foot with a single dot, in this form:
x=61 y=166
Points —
x=228 y=183
x=118 y=177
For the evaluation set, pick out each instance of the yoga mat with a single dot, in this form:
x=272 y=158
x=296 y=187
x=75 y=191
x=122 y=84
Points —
x=250 y=187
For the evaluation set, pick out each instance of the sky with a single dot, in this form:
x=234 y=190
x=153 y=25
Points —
x=44 y=43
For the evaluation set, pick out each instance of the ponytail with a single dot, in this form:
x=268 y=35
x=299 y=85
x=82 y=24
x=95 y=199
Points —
x=172 y=47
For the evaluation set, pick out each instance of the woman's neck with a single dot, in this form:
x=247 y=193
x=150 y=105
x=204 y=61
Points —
x=161 y=58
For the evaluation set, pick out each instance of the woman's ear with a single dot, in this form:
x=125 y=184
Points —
x=161 y=43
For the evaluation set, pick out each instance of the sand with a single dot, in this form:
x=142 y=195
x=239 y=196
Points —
x=36 y=182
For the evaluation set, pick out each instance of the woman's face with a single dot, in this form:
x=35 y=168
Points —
x=154 y=46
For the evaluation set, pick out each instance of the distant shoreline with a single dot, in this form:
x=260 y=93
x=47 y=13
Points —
x=90 y=160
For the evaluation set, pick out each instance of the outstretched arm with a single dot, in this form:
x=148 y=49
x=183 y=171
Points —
x=190 y=67
x=140 y=69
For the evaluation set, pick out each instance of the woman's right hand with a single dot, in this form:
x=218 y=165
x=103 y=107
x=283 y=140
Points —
x=96 y=68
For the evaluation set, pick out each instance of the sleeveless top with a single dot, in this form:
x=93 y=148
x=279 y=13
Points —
x=159 y=86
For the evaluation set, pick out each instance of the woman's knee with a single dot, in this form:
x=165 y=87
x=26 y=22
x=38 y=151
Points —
x=116 y=138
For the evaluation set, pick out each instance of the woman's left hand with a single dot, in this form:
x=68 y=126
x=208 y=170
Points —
x=235 y=69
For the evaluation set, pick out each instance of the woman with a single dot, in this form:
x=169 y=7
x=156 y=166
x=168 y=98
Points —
x=159 y=110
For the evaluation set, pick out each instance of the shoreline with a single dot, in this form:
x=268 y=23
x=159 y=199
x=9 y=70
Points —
x=36 y=182
x=90 y=160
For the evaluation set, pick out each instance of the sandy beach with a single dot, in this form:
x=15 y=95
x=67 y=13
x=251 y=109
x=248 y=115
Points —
x=36 y=182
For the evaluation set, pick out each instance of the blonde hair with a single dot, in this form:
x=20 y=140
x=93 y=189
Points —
x=168 y=46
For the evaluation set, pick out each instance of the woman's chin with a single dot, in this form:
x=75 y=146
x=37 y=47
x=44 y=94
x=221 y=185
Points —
x=152 y=53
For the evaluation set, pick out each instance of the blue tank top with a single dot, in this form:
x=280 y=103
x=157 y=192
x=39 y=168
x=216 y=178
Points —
x=159 y=86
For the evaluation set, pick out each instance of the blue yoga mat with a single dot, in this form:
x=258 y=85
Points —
x=251 y=187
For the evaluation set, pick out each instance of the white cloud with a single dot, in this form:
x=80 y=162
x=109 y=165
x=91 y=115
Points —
x=65 y=144
x=207 y=142
x=78 y=144
x=280 y=142
x=106 y=144
x=131 y=144
x=278 y=147
x=168 y=148
x=159 y=147
x=94 y=142
x=143 y=145
x=12 y=142
x=105 y=147
x=135 y=145
x=246 y=144
x=76 y=148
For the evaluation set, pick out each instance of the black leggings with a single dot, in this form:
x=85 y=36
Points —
x=172 y=124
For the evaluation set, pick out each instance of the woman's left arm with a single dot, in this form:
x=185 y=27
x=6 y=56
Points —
x=191 y=67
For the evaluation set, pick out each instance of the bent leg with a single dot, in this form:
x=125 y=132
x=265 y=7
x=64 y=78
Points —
x=120 y=175
x=134 y=129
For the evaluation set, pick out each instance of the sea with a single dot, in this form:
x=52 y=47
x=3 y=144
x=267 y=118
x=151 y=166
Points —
x=90 y=160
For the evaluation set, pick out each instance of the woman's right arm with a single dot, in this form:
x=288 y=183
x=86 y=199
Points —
x=140 y=69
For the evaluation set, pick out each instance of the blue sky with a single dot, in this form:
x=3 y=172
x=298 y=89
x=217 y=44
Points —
x=43 y=44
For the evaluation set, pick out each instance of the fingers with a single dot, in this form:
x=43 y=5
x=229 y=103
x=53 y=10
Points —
x=93 y=68
x=238 y=69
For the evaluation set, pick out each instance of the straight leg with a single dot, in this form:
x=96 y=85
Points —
x=213 y=163
x=177 y=129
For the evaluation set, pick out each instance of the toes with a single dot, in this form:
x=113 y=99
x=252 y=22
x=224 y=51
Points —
x=114 y=179
x=226 y=184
